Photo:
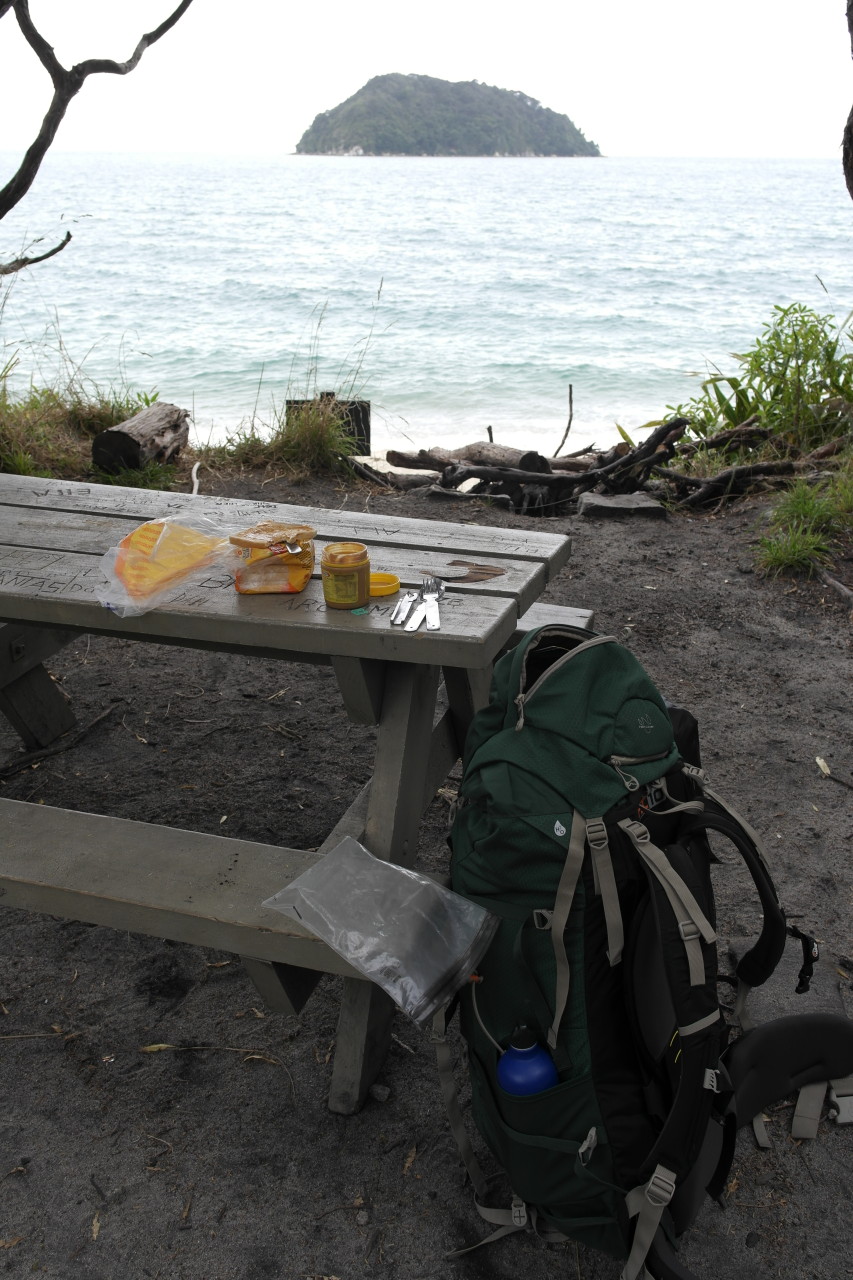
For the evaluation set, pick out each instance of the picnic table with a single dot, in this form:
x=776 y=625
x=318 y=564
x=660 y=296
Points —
x=420 y=689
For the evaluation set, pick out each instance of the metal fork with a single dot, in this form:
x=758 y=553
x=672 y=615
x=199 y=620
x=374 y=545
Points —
x=433 y=591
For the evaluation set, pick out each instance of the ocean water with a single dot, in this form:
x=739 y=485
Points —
x=454 y=294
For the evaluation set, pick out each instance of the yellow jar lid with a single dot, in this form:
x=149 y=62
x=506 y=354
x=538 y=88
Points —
x=384 y=584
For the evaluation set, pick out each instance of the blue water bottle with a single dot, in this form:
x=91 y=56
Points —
x=526 y=1066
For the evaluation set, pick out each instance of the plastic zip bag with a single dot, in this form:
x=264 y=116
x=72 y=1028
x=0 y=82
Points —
x=158 y=559
x=413 y=937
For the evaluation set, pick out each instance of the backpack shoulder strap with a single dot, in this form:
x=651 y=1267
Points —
x=686 y=938
x=756 y=966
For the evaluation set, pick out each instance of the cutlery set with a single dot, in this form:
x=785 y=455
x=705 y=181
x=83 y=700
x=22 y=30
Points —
x=416 y=606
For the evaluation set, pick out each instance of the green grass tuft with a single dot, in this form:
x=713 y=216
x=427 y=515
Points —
x=154 y=475
x=795 y=549
x=806 y=506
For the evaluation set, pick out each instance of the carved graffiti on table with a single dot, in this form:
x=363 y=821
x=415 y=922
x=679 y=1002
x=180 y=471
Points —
x=39 y=573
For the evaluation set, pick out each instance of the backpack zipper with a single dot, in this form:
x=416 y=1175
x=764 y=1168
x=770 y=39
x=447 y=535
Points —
x=522 y=698
x=628 y=779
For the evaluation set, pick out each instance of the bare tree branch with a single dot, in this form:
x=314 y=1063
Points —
x=66 y=84
x=18 y=264
x=110 y=67
x=38 y=44
x=847 y=140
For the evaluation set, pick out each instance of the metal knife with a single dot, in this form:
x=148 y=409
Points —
x=403 y=607
x=417 y=616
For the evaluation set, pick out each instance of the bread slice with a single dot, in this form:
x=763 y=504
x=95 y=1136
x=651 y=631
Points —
x=272 y=533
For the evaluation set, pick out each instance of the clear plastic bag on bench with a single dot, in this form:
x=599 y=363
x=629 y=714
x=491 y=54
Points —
x=413 y=937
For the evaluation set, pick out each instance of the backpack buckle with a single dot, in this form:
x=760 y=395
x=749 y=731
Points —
x=587 y=1148
x=636 y=831
x=841 y=1100
x=542 y=918
x=660 y=1188
x=596 y=834
x=688 y=930
x=518 y=1212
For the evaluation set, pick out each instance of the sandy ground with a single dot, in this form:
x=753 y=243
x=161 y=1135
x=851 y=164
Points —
x=222 y=1162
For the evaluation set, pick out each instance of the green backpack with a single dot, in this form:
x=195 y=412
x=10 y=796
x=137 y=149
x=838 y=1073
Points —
x=582 y=823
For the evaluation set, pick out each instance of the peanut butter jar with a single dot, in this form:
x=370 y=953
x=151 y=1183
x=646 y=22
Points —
x=345 y=572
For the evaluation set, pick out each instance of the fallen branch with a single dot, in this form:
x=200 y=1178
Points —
x=737 y=480
x=568 y=424
x=830 y=449
x=622 y=470
x=679 y=477
x=842 y=782
x=627 y=473
x=457 y=473
x=829 y=581
x=367 y=472
x=582 y=461
x=497 y=499
x=742 y=436
x=62 y=744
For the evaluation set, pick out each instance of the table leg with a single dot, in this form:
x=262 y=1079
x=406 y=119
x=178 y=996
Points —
x=394 y=813
x=29 y=699
x=467 y=692
x=283 y=987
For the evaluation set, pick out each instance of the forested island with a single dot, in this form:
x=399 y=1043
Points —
x=413 y=115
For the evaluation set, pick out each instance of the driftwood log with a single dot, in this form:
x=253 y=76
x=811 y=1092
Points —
x=155 y=434
x=481 y=453
x=394 y=479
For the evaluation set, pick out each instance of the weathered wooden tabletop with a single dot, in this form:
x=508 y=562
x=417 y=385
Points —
x=53 y=533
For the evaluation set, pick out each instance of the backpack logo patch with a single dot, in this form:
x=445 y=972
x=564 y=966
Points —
x=559 y=829
x=645 y=724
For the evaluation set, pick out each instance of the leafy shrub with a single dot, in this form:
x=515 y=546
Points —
x=797 y=380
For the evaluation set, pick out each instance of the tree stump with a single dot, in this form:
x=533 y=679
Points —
x=155 y=434
x=354 y=416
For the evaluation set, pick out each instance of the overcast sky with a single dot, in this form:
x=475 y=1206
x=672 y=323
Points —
x=639 y=77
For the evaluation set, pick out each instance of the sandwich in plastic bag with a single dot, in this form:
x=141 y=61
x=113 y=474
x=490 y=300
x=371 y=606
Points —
x=274 y=558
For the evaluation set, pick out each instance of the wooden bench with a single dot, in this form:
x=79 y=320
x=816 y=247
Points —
x=548 y=615
x=187 y=886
